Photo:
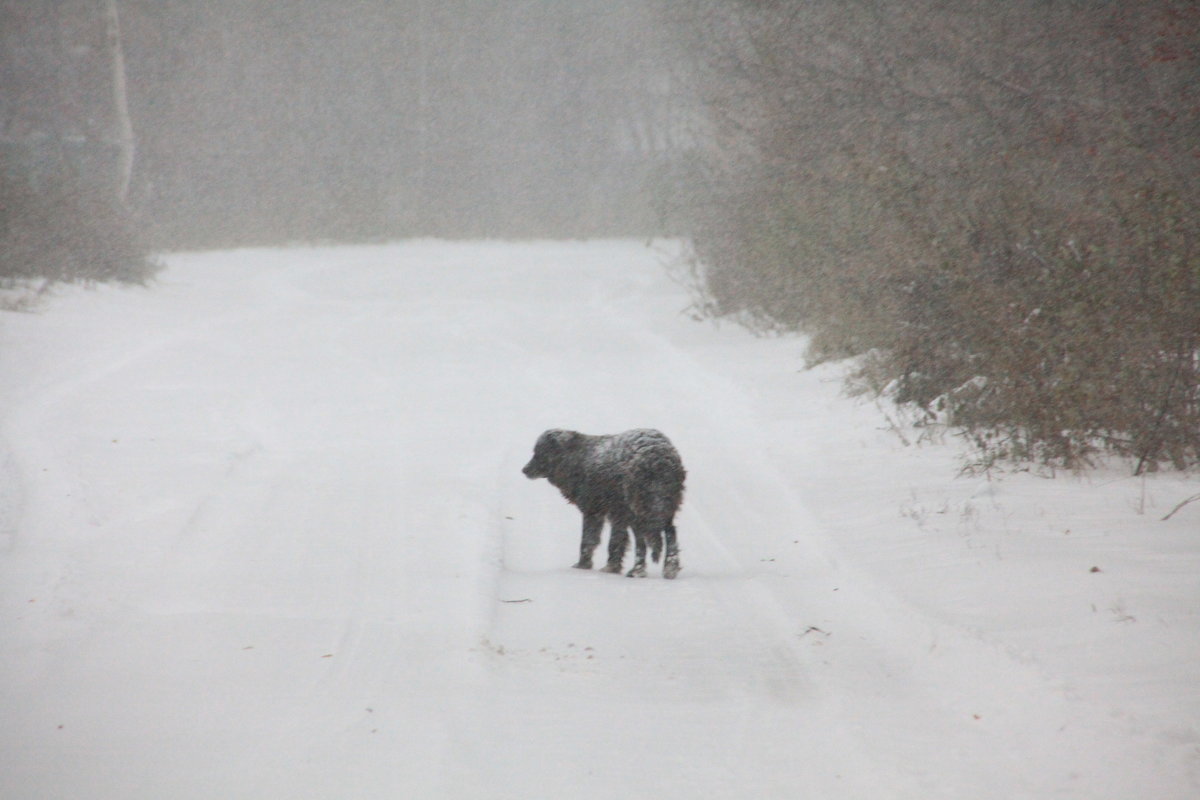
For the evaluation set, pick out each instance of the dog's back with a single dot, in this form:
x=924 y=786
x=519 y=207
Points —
x=652 y=472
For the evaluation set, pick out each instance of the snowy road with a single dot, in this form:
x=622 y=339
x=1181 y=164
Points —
x=265 y=535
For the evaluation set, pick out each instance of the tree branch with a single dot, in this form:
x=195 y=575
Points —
x=1191 y=499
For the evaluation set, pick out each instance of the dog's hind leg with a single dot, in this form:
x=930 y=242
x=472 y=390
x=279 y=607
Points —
x=639 y=544
x=671 y=564
x=655 y=543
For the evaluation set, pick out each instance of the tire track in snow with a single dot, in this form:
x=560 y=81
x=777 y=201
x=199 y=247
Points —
x=711 y=651
x=869 y=638
x=861 y=635
x=712 y=632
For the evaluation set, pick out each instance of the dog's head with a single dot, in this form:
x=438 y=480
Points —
x=547 y=451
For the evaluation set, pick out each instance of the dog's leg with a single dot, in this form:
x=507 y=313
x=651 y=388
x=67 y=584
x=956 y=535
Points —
x=639 y=543
x=618 y=541
x=671 y=564
x=592 y=525
x=655 y=542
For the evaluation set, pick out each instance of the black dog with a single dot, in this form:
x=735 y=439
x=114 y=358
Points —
x=634 y=479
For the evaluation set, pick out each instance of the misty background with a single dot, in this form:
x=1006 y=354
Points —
x=300 y=119
x=994 y=206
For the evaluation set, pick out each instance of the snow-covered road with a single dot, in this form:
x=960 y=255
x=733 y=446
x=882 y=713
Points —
x=264 y=535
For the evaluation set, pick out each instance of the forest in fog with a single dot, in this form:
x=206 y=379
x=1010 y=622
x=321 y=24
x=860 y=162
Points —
x=996 y=205
x=302 y=119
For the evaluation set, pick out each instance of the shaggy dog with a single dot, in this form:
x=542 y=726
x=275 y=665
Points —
x=634 y=479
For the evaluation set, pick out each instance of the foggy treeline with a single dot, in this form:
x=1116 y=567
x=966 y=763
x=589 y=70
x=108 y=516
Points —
x=996 y=204
x=377 y=117
x=265 y=121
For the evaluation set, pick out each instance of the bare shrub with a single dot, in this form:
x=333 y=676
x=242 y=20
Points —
x=999 y=201
x=68 y=232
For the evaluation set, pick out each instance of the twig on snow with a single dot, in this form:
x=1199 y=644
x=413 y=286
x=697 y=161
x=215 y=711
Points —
x=1191 y=499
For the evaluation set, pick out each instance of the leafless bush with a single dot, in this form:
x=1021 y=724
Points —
x=65 y=232
x=1000 y=201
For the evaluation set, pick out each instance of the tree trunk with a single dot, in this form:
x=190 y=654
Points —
x=122 y=128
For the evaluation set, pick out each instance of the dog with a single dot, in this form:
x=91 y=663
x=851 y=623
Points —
x=633 y=479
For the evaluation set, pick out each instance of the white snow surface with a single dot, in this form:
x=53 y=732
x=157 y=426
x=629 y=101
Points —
x=264 y=534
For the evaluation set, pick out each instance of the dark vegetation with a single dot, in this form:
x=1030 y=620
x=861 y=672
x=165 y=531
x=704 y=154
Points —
x=997 y=204
x=63 y=231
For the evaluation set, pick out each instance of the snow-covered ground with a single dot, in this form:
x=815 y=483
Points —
x=263 y=534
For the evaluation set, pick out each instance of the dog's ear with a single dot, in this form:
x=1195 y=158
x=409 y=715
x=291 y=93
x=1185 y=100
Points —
x=565 y=439
x=557 y=438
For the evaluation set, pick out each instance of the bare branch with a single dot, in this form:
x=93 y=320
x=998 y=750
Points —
x=1191 y=499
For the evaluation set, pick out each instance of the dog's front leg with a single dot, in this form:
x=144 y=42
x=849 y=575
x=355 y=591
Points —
x=618 y=541
x=592 y=525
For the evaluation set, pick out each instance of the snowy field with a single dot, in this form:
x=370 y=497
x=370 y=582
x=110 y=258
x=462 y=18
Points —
x=263 y=534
